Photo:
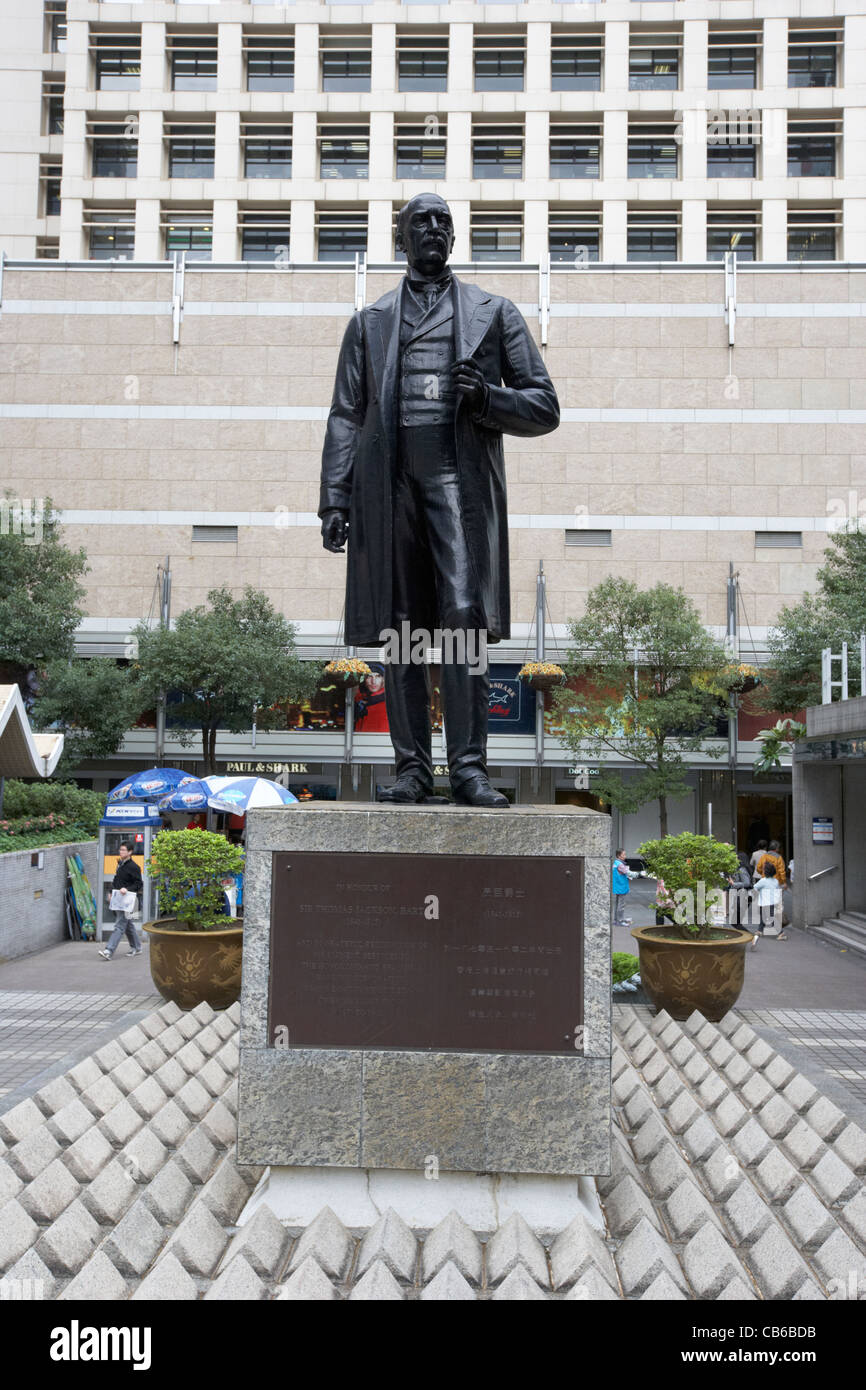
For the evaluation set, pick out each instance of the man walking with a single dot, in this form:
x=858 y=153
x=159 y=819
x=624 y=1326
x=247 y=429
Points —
x=413 y=477
x=125 y=887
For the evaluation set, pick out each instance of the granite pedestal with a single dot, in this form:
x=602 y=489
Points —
x=471 y=1110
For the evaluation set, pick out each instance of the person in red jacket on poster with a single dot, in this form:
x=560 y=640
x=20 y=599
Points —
x=371 y=715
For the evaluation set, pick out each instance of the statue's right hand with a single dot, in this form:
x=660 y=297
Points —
x=335 y=529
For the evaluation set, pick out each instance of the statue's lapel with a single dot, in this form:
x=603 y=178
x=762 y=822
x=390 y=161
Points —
x=473 y=310
x=384 y=320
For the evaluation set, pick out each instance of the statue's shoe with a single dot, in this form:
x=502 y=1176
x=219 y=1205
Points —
x=409 y=791
x=477 y=791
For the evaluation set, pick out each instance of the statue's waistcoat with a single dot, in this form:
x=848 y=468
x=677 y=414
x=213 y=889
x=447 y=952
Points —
x=427 y=395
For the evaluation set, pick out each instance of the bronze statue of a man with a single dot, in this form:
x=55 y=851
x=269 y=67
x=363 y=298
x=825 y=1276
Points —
x=429 y=379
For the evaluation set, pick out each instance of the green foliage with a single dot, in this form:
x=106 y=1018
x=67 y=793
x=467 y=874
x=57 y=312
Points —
x=698 y=864
x=39 y=595
x=28 y=832
x=187 y=866
x=653 y=684
x=79 y=807
x=227 y=660
x=93 y=702
x=776 y=741
x=624 y=966
x=833 y=614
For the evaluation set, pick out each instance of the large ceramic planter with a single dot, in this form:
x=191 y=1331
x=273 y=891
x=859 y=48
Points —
x=681 y=976
x=194 y=967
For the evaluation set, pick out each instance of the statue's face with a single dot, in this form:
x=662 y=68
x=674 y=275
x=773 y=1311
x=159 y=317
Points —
x=427 y=234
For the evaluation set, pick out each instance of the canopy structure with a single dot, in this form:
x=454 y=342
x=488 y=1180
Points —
x=23 y=753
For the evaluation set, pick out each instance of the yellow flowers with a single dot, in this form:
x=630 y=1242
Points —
x=348 y=666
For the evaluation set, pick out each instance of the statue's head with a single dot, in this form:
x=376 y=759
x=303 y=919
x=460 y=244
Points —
x=425 y=231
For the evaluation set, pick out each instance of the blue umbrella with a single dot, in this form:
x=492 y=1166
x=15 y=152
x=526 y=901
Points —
x=151 y=785
x=192 y=795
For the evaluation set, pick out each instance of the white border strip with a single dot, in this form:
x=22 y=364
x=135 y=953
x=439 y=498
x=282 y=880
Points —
x=284 y=519
x=568 y=309
x=643 y=415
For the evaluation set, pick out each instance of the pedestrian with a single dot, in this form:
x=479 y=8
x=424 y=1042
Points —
x=760 y=848
x=620 y=887
x=772 y=855
x=738 y=882
x=126 y=885
x=768 y=892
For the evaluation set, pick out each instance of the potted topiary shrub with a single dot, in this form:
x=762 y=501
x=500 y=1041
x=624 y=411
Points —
x=195 y=947
x=693 y=959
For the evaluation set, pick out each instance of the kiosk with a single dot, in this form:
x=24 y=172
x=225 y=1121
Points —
x=137 y=823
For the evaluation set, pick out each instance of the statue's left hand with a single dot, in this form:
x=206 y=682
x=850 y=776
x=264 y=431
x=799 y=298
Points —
x=470 y=383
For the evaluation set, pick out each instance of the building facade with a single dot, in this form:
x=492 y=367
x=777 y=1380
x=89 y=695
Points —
x=673 y=194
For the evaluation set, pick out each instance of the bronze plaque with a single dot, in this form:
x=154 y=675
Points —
x=473 y=953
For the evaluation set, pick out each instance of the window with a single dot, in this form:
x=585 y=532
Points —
x=117 y=62
x=499 y=62
x=724 y=160
x=191 y=151
x=574 y=237
x=589 y=536
x=652 y=152
x=341 y=235
x=50 y=175
x=417 y=154
x=422 y=63
x=496 y=236
x=55 y=14
x=270 y=63
x=733 y=60
x=267 y=151
x=52 y=95
x=215 y=534
x=497 y=152
x=732 y=231
x=265 y=236
x=47 y=248
x=812 y=234
x=190 y=233
x=344 y=152
x=193 y=59
x=575 y=62
x=812 y=60
x=652 y=236
x=778 y=540
x=112 y=235
x=346 y=63
x=114 y=149
x=575 y=152
x=653 y=69
x=811 y=148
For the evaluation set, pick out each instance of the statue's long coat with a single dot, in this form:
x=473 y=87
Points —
x=359 y=454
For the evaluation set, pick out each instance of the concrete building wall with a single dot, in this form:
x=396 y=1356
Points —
x=686 y=450
x=32 y=911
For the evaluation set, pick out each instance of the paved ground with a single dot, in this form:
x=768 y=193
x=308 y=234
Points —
x=59 y=1005
x=809 y=995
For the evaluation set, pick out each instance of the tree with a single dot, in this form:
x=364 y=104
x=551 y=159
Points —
x=228 y=662
x=652 y=685
x=93 y=701
x=833 y=614
x=39 y=589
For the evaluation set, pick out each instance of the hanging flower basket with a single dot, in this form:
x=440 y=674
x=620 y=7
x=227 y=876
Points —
x=349 y=669
x=744 y=677
x=541 y=675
